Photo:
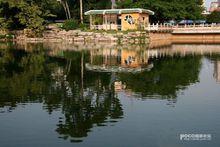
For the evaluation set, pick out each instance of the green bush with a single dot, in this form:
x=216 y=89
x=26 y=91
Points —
x=8 y=36
x=83 y=26
x=214 y=17
x=70 y=24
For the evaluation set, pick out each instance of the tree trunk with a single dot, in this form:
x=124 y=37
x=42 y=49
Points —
x=65 y=9
x=68 y=9
x=81 y=11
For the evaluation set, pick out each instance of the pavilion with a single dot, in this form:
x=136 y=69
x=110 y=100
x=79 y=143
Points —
x=119 y=19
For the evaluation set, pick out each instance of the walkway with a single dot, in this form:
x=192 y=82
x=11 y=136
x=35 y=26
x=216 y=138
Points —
x=187 y=29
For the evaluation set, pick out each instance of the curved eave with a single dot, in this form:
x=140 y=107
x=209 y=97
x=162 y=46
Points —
x=118 y=11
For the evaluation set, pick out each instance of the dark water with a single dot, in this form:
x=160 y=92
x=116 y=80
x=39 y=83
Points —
x=109 y=97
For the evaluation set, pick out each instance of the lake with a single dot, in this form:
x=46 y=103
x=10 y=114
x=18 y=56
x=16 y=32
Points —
x=103 y=95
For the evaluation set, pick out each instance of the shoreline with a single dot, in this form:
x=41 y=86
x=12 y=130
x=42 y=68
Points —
x=112 y=37
x=131 y=37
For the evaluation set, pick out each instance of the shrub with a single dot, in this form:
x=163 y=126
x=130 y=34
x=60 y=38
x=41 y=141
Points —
x=70 y=24
x=83 y=26
x=214 y=17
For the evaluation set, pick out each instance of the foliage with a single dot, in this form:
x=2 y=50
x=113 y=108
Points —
x=214 y=17
x=83 y=26
x=70 y=24
x=168 y=9
x=87 y=5
x=30 y=16
x=26 y=14
x=8 y=36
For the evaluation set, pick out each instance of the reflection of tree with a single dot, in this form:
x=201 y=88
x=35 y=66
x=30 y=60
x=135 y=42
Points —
x=58 y=83
x=96 y=104
x=81 y=114
x=166 y=78
x=214 y=57
x=23 y=76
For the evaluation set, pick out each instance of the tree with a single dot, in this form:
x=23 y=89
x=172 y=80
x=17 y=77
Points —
x=81 y=11
x=31 y=17
x=167 y=9
x=66 y=8
x=214 y=17
x=32 y=14
x=77 y=7
x=27 y=14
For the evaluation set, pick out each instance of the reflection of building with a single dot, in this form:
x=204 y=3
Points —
x=217 y=71
x=110 y=60
x=131 y=58
x=119 y=19
x=119 y=86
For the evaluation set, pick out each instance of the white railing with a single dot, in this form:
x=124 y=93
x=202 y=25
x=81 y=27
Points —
x=164 y=27
x=106 y=27
x=156 y=27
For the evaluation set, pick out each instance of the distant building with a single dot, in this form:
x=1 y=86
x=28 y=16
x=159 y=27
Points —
x=214 y=6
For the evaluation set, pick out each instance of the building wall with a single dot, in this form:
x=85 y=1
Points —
x=134 y=21
x=213 y=6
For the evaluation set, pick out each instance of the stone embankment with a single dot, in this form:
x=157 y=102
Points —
x=131 y=37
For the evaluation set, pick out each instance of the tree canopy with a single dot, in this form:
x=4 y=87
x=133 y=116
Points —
x=33 y=14
x=214 y=17
x=168 y=9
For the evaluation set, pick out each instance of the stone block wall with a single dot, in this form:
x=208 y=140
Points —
x=131 y=37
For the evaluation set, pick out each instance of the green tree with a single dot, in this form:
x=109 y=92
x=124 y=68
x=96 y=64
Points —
x=167 y=9
x=214 y=17
x=26 y=13
x=31 y=17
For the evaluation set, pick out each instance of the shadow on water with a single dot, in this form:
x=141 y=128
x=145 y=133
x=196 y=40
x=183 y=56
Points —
x=88 y=96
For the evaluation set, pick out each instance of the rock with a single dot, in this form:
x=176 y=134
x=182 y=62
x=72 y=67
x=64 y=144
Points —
x=79 y=39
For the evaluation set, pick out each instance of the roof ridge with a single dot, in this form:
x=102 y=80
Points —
x=118 y=11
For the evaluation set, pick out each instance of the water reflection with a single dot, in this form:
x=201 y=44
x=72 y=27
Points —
x=118 y=60
x=217 y=71
x=216 y=60
x=84 y=84
x=170 y=73
x=58 y=84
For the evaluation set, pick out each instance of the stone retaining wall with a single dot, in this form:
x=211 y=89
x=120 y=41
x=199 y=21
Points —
x=133 y=37
x=196 y=38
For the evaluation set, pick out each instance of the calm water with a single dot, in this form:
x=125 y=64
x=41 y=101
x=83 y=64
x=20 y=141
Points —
x=109 y=96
